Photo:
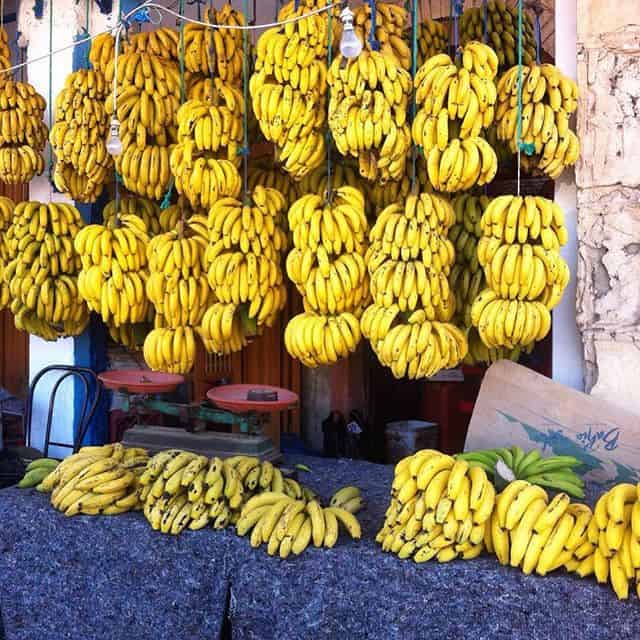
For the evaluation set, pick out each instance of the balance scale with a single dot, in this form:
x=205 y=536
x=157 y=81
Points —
x=246 y=405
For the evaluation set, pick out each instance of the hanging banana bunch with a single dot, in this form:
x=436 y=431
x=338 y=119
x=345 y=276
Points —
x=146 y=106
x=548 y=100
x=526 y=276
x=288 y=91
x=328 y=268
x=42 y=272
x=246 y=242
x=7 y=207
x=5 y=49
x=368 y=113
x=502 y=31
x=342 y=175
x=102 y=52
x=162 y=42
x=433 y=39
x=172 y=216
x=455 y=105
x=147 y=210
x=216 y=52
x=78 y=137
x=23 y=134
x=409 y=260
x=270 y=176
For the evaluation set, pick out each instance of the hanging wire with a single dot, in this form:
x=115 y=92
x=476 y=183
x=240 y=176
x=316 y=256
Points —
x=373 y=40
x=51 y=90
x=245 y=93
x=485 y=21
x=414 y=69
x=329 y=194
x=538 y=33
x=457 y=7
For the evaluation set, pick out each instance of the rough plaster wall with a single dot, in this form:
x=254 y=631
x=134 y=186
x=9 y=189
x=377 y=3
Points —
x=608 y=179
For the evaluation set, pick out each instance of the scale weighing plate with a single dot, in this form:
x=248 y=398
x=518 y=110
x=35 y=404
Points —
x=235 y=398
x=139 y=381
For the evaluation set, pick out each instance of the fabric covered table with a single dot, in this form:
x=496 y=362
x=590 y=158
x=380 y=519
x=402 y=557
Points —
x=114 y=578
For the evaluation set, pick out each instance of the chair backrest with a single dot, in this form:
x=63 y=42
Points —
x=91 y=390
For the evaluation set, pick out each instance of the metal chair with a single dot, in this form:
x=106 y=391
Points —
x=90 y=386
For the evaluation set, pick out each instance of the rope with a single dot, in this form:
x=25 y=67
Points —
x=245 y=93
x=528 y=148
x=328 y=133
x=51 y=106
x=485 y=21
x=457 y=10
x=538 y=29
x=373 y=41
x=414 y=69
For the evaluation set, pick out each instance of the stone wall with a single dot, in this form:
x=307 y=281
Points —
x=608 y=180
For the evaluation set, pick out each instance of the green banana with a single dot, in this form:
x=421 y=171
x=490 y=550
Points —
x=34 y=477
x=46 y=463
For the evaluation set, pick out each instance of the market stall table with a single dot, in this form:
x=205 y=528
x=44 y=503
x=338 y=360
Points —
x=113 y=577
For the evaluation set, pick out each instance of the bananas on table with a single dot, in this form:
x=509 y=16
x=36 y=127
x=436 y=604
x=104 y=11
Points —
x=328 y=268
x=7 y=207
x=455 y=105
x=243 y=259
x=368 y=113
x=548 y=100
x=42 y=272
x=409 y=260
x=526 y=276
x=440 y=508
x=79 y=135
x=288 y=90
x=23 y=134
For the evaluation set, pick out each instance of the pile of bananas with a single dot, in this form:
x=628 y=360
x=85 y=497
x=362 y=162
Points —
x=529 y=531
x=43 y=269
x=454 y=106
x=147 y=210
x=502 y=30
x=162 y=42
x=548 y=98
x=328 y=268
x=5 y=49
x=526 y=276
x=433 y=38
x=23 y=134
x=409 y=260
x=6 y=217
x=440 y=508
x=368 y=113
x=114 y=269
x=271 y=176
x=216 y=52
x=97 y=481
x=79 y=135
x=554 y=472
x=243 y=261
x=178 y=289
x=37 y=471
x=146 y=105
x=288 y=90
x=288 y=526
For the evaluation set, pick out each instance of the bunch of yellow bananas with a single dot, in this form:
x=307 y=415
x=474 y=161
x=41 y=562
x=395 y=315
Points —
x=171 y=217
x=216 y=52
x=548 y=98
x=271 y=176
x=457 y=156
x=6 y=216
x=440 y=508
x=368 y=113
x=162 y=42
x=502 y=31
x=146 y=105
x=288 y=11
x=344 y=174
x=23 y=134
x=243 y=258
x=433 y=38
x=42 y=272
x=131 y=336
x=288 y=91
x=381 y=195
x=479 y=353
x=391 y=26
x=100 y=480
x=147 y=210
x=102 y=51
x=114 y=269
x=78 y=137
x=5 y=49
x=170 y=350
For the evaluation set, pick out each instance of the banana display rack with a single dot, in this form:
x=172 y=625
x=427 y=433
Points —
x=247 y=407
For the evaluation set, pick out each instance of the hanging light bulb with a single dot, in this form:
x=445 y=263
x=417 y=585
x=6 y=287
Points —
x=114 y=144
x=350 y=44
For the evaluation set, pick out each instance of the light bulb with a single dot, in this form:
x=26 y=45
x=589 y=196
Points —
x=350 y=44
x=114 y=144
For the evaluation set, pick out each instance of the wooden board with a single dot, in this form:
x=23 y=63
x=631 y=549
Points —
x=519 y=407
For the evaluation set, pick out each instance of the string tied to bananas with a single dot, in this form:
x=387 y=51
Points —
x=414 y=70
x=528 y=148
x=485 y=21
x=373 y=40
x=328 y=139
x=245 y=150
x=457 y=9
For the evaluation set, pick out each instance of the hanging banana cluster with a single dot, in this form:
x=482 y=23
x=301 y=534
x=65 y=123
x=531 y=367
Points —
x=162 y=42
x=216 y=52
x=502 y=31
x=102 y=52
x=288 y=91
x=526 y=276
x=43 y=270
x=328 y=268
x=5 y=49
x=146 y=210
x=114 y=269
x=271 y=176
x=246 y=242
x=455 y=106
x=391 y=25
x=409 y=260
x=178 y=289
x=79 y=135
x=548 y=100
x=368 y=113
x=342 y=175
x=381 y=195
x=6 y=216
x=433 y=39
x=23 y=134
x=146 y=106
x=172 y=216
